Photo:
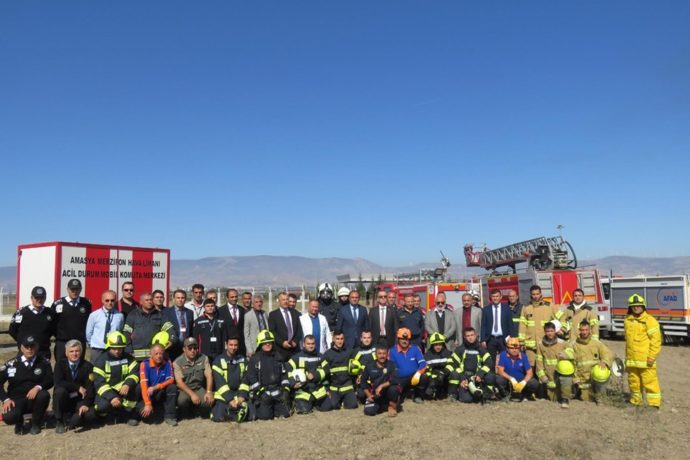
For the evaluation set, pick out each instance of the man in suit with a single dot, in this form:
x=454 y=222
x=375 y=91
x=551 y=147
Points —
x=233 y=315
x=74 y=394
x=314 y=323
x=442 y=320
x=497 y=323
x=255 y=320
x=382 y=314
x=352 y=320
x=182 y=319
x=467 y=316
x=284 y=323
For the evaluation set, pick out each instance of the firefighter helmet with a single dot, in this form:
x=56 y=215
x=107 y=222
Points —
x=437 y=338
x=600 y=374
x=343 y=291
x=565 y=367
x=264 y=336
x=325 y=287
x=635 y=300
x=474 y=389
x=513 y=342
x=404 y=333
x=161 y=338
x=354 y=367
x=116 y=340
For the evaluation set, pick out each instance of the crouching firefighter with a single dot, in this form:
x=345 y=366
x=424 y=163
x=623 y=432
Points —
x=378 y=383
x=339 y=368
x=472 y=379
x=365 y=354
x=306 y=374
x=267 y=379
x=116 y=380
x=554 y=366
x=232 y=392
x=434 y=382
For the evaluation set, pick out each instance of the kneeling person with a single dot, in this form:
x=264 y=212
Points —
x=593 y=362
x=379 y=386
x=552 y=359
x=514 y=372
x=338 y=360
x=28 y=377
x=267 y=379
x=232 y=393
x=194 y=381
x=73 y=395
x=472 y=379
x=157 y=387
x=434 y=382
x=306 y=373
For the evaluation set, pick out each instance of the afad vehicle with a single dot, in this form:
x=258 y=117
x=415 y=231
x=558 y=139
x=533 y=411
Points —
x=551 y=264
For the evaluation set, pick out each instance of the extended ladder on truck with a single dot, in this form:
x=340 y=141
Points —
x=541 y=253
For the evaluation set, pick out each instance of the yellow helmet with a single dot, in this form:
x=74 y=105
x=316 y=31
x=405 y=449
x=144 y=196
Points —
x=116 y=340
x=636 y=299
x=354 y=367
x=600 y=374
x=264 y=336
x=161 y=338
x=437 y=338
x=565 y=367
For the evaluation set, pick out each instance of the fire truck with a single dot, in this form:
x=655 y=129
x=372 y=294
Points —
x=551 y=264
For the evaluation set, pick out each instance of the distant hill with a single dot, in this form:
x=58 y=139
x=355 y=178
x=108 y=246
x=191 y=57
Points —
x=293 y=270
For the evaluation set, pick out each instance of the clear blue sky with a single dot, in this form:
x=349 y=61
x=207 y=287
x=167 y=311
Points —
x=384 y=130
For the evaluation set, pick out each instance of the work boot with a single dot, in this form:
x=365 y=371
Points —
x=565 y=404
x=35 y=429
x=392 y=409
x=132 y=422
x=418 y=400
x=19 y=429
x=60 y=427
x=171 y=421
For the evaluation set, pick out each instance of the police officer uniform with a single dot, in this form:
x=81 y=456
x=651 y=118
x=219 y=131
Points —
x=70 y=316
x=28 y=321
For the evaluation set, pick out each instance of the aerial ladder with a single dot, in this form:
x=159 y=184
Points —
x=542 y=253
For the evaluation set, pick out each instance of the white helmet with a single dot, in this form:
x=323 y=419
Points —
x=557 y=324
x=475 y=390
x=325 y=287
x=343 y=291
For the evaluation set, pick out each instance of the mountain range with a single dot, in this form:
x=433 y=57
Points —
x=279 y=271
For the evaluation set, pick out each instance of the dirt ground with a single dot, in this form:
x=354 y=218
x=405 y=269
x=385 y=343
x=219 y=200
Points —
x=434 y=429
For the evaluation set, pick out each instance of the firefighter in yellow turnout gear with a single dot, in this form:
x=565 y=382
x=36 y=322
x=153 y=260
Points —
x=577 y=311
x=593 y=362
x=558 y=379
x=532 y=320
x=642 y=347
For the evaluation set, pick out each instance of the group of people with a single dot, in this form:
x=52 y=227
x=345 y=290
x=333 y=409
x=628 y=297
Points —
x=237 y=362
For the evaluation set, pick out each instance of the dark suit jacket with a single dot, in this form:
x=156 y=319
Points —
x=391 y=325
x=233 y=329
x=62 y=377
x=171 y=315
x=347 y=324
x=276 y=324
x=488 y=321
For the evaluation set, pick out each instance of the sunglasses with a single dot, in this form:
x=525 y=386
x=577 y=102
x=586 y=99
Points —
x=109 y=300
x=192 y=347
x=128 y=290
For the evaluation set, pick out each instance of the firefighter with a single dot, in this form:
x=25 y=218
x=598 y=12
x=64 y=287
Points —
x=142 y=324
x=338 y=366
x=642 y=347
x=532 y=320
x=116 y=380
x=34 y=320
x=471 y=370
x=306 y=374
x=577 y=311
x=410 y=363
x=379 y=386
x=328 y=307
x=550 y=351
x=590 y=354
x=232 y=392
x=267 y=379
x=71 y=313
x=412 y=319
x=28 y=377
x=365 y=354
x=434 y=382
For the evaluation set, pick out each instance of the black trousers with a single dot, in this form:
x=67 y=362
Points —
x=164 y=399
x=506 y=388
x=269 y=407
x=495 y=345
x=380 y=403
x=36 y=407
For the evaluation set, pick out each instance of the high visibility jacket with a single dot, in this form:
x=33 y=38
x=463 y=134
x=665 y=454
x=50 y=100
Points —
x=570 y=320
x=437 y=363
x=589 y=353
x=266 y=373
x=110 y=374
x=471 y=359
x=309 y=363
x=548 y=356
x=532 y=320
x=337 y=368
x=642 y=340
x=140 y=327
x=364 y=356
x=228 y=377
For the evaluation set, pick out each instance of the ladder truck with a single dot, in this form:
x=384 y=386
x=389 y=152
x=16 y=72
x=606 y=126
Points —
x=551 y=264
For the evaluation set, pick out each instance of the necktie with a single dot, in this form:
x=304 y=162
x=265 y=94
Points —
x=234 y=315
x=74 y=303
x=262 y=321
x=288 y=323
x=183 y=325
x=73 y=368
x=109 y=319
x=495 y=319
x=354 y=313
x=382 y=321
x=27 y=363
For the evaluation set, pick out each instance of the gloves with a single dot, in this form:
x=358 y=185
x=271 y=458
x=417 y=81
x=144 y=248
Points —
x=518 y=387
x=415 y=379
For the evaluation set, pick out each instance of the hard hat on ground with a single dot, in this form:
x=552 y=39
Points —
x=404 y=333
x=600 y=374
x=116 y=340
x=437 y=338
x=264 y=336
x=565 y=367
x=618 y=367
x=343 y=291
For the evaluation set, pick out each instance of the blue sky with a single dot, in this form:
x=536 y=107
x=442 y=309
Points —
x=383 y=130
